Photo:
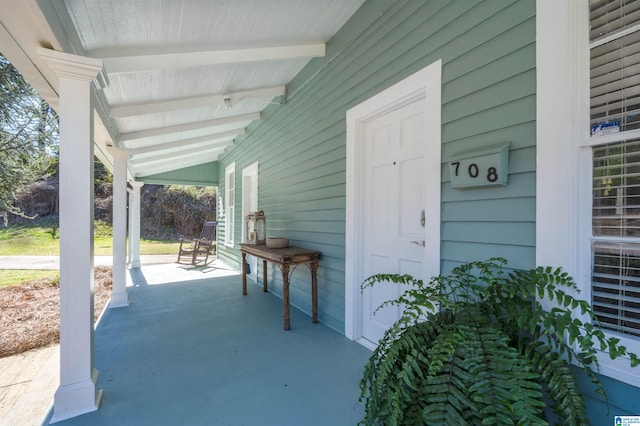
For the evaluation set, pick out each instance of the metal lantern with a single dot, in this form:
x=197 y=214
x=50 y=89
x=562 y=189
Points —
x=255 y=228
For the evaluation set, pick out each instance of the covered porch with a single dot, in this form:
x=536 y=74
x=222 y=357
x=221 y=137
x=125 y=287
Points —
x=190 y=349
x=159 y=92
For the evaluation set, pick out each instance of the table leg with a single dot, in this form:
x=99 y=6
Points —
x=264 y=276
x=314 y=292
x=244 y=274
x=285 y=296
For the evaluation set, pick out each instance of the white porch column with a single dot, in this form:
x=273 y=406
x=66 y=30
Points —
x=129 y=203
x=78 y=392
x=119 y=297
x=134 y=224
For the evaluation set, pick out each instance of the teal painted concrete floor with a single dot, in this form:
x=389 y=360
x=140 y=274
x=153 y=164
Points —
x=199 y=353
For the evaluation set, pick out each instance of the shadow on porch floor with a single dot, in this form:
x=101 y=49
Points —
x=199 y=353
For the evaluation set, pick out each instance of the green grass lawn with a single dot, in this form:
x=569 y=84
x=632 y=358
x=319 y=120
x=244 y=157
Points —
x=43 y=239
x=10 y=277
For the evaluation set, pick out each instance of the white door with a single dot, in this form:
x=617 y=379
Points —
x=393 y=198
x=250 y=204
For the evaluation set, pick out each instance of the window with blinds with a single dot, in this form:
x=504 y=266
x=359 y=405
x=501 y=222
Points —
x=615 y=63
x=230 y=194
x=616 y=189
x=615 y=292
x=615 y=112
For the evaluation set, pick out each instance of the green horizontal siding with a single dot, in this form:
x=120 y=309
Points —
x=488 y=54
x=489 y=98
x=469 y=252
x=497 y=210
x=520 y=185
x=510 y=233
x=520 y=136
x=503 y=93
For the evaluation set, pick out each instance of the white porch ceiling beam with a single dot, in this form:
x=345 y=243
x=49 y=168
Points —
x=189 y=126
x=167 y=167
x=204 y=141
x=172 y=159
x=123 y=111
x=169 y=164
x=176 y=157
x=148 y=62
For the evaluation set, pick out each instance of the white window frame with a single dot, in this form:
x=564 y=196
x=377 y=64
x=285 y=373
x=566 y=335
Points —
x=250 y=204
x=249 y=199
x=563 y=150
x=230 y=196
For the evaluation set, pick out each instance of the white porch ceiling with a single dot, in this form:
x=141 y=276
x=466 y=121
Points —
x=171 y=64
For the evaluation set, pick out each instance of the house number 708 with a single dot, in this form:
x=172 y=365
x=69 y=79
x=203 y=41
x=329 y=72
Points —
x=474 y=171
x=487 y=166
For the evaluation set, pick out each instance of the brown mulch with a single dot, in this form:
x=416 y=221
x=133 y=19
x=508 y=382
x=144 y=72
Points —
x=30 y=312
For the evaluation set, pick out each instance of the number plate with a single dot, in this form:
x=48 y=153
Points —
x=481 y=167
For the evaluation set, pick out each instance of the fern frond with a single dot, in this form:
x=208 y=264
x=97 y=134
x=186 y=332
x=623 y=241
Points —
x=505 y=385
x=446 y=385
x=474 y=347
x=561 y=386
x=394 y=374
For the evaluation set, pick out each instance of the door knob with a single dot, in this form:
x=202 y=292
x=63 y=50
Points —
x=421 y=243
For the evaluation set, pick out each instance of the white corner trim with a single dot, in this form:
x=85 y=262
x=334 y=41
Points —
x=560 y=106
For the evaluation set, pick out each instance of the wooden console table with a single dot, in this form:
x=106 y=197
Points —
x=284 y=258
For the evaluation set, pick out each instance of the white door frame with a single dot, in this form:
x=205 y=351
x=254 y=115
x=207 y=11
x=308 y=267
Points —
x=425 y=83
x=250 y=204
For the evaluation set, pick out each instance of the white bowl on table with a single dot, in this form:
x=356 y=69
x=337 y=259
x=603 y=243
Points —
x=277 y=242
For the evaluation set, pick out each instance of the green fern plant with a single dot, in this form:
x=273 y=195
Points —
x=478 y=347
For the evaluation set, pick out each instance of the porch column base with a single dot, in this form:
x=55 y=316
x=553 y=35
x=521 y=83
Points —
x=135 y=264
x=76 y=399
x=119 y=299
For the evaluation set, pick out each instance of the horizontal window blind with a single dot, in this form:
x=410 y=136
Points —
x=615 y=107
x=608 y=16
x=616 y=189
x=615 y=82
x=615 y=293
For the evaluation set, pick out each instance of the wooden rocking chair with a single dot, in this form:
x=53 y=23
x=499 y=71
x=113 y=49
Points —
x=200 y=247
